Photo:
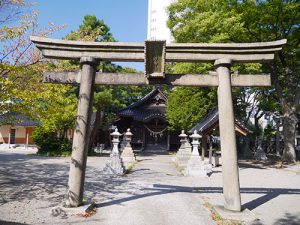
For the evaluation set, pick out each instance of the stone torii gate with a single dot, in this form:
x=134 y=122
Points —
x=155 y=54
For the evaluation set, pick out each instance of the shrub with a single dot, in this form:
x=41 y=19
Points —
x=49 y=143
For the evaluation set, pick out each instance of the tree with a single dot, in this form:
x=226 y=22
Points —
x=107 y=99
x=91 y=29
x=250 y=21
x=18 y=57
x=11 y=10
x=21 y=68
x=186 y=106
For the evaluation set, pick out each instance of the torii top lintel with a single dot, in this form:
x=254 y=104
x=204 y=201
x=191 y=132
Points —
x=175 y=52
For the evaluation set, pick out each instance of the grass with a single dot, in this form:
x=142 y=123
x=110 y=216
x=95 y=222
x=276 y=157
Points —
x=131 y=166
x=170 y=174
x=217 y=218
x=179 y=168
x=65 y=154
x=54 y=154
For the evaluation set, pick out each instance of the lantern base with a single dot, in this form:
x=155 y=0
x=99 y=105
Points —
x=128 y=156
x=197 y=168
x=183 y=155
x=115 y=165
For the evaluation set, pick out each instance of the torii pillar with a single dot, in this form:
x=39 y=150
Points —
x=230 y=169
x=81 y=134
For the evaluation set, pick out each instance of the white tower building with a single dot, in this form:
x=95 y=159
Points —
x=157 y=20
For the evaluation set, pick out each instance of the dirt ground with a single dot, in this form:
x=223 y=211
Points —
x=154 y=192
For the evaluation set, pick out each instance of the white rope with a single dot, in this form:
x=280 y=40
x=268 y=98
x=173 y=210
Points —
x=155 y=134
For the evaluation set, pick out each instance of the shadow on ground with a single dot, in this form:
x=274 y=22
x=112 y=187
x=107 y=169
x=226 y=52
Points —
x=288 y=219
x=40 y=178
x=44 y=178
x=2 y=222
x=158 y=189
x=24 y=178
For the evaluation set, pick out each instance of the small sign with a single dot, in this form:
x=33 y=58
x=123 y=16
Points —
x=155 y=54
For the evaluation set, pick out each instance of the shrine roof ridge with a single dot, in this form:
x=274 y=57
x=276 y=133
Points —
x=210 y=119
x=145 y=98
x=175 y=52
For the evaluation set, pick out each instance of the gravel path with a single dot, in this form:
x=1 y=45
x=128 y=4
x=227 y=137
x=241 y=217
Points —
x=153 y=193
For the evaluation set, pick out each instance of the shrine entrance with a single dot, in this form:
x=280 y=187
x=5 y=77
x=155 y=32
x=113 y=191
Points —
x=146 y=119
x=155 y=54
x=157 y=135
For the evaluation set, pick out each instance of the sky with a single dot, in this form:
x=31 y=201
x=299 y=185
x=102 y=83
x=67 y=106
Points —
x=127 y=19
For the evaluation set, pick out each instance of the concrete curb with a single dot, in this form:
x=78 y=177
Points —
x=245 y=215
x=87 y=207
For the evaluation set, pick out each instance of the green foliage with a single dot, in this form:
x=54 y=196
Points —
x=269 y=132
x=56 y=107
x=186 y=106
x=250 y=21
x=21 y=86
x=106 y=98
x=245 y=21
x=20 y=67
x=49 y=143
x=91 y=29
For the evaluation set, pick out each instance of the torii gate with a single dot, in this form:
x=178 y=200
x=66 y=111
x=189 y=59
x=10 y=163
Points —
x=155 y=54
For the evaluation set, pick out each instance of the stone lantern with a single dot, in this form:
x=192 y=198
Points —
x=115 y=164
x=195 y=143
x=127 y=137
x=127 y=155
x=184 y=152
x=183 y=139
x=115 y=141
x=196 y=167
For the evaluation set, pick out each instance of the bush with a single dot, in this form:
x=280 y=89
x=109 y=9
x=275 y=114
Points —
x=49 y=143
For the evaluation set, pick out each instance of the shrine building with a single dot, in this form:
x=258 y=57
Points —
x=147 y=121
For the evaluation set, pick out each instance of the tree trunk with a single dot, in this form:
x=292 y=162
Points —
x=290 y=121
x=257 y=117
x=95 y=128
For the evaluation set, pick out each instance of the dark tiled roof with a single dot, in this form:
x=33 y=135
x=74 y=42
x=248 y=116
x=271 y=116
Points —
x=141 y=110
x=211 y=118
x=17 y=119
x=147 y=97
x=142 y=114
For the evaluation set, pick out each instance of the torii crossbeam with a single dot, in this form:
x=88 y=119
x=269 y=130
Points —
x=155 y=54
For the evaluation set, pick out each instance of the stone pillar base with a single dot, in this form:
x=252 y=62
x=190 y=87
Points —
x=115 y=165
x=182 y=156
x=128 y=156
x=197 y=168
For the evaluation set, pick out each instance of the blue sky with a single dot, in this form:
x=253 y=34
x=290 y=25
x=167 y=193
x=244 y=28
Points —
x=127 y=19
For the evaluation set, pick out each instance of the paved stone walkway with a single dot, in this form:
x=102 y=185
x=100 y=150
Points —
x=155 y=194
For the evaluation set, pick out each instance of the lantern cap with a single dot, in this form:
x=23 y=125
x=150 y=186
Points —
x=182 y=135
x=195 y=135
x=128 y=132
x=116 y=133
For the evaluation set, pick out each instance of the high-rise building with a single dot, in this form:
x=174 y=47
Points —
x=157 y=20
